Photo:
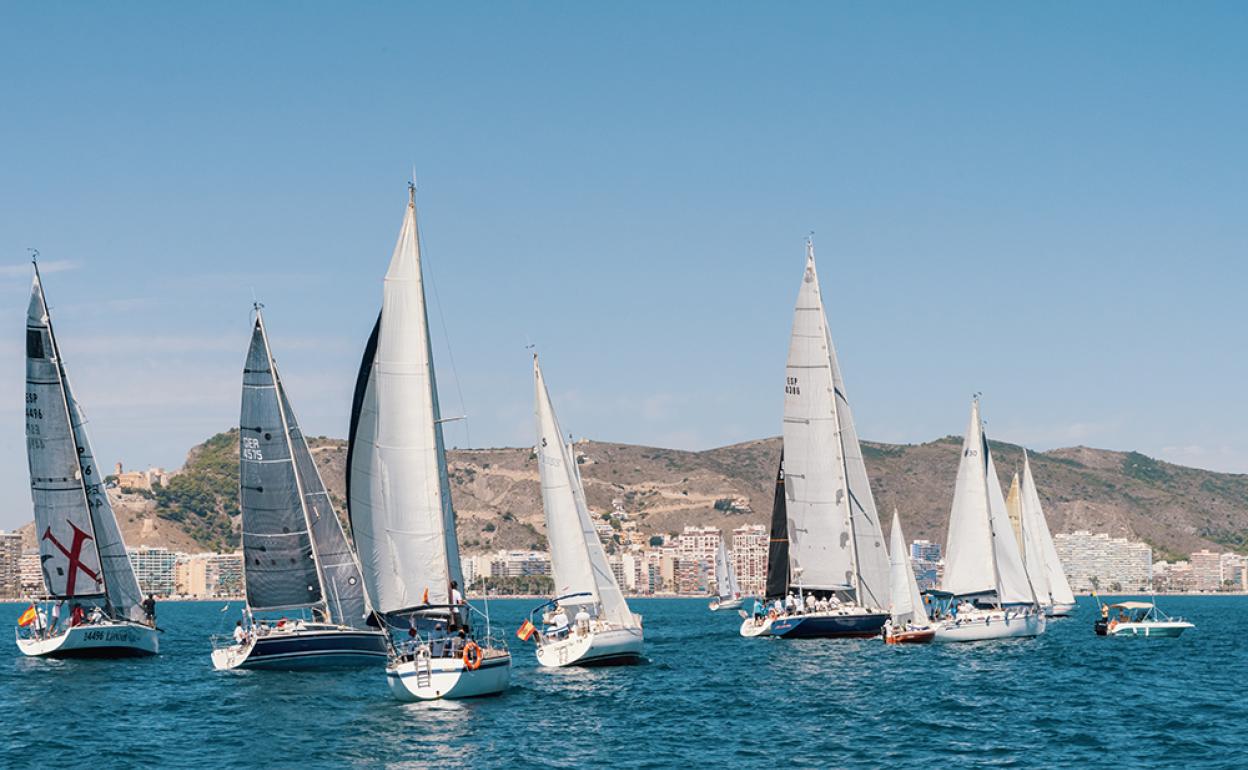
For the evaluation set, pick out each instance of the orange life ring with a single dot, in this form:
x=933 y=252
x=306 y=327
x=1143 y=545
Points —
x=472 y=656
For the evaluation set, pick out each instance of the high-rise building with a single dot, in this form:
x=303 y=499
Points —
x=154 y=567
x=749 y=558
x=1103 y=563
x=1234 y=572
x=925 y=550
x=31 y=573
x=1206 y=570
x=696 y=547
x=10 y=564
x=209 y=575
x=925 y=560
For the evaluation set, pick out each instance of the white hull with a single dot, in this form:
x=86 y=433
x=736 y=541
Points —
x=982 y=626
x=751 y=629
x=603 y=647
x=1059 y=610
x=1161 y=628
x=424 y=678
x=726 y=604
x=97 y=640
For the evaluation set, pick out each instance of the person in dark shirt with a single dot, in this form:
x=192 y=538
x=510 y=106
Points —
x=149 y=609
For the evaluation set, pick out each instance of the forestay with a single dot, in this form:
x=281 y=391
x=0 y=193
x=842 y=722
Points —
x=578 y=562
x=1046 y=572
x=398 y=492
x=277 y=549
x=906 y=605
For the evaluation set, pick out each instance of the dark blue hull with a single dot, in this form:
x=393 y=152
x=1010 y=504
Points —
x=829 y=626
x=322 y=649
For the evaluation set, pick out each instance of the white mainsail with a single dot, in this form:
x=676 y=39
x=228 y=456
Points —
x=81 y=549
x=726 y=586
x=1044 y=567
x=835 y=538
x=399 y=493
x=578 y=561
x=906 y=604
x=981 y=555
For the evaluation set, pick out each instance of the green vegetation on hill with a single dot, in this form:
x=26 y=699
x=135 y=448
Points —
x=540 y=585
x=203 y=497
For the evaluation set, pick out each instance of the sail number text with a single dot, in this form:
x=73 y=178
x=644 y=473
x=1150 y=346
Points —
x=791 y=387
x=251 y=449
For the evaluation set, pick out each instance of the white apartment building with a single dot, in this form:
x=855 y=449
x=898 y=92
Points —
x=1100 y=560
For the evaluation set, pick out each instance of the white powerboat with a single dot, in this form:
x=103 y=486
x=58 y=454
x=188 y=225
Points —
x=1140 y=619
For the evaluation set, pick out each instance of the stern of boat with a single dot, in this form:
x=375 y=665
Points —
x=423 y=678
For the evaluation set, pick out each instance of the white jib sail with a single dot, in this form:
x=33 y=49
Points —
x=726 y=586
x=578 y=561
x=1015 y=586
x=968 y=548
x=1056 y=586
x=906 y=601
x=835 y=541
x=401 y=511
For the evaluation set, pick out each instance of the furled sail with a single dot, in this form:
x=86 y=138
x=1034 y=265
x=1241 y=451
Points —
x=279 y=560
x=836 y=541
x=578 y=561
x=1048 y=576
x=906 y=605
x=399 y=497
x=778 y=545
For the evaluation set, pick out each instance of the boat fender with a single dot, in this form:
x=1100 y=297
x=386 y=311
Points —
x=472 y=656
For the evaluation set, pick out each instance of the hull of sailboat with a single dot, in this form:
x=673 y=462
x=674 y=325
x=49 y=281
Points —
x=917 y=636
x=1059 y=610
x=305 y=650
x=984 y=626
x=1164 y=629
x=97 y=640
x=423 y=678
x=726 y=604
x=609 y=647
x=818 y=625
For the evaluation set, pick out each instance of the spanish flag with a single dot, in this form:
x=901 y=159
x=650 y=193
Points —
x=425 y=599
x=525 y=631
x=28 y=617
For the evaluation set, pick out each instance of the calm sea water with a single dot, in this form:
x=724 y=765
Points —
x=705 y=697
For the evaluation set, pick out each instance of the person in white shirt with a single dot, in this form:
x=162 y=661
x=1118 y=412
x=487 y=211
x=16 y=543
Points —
x=240 y=636
x=810 y=602
x=561 y=623
x=582 y=620
x=790 y=603
x=56 y=615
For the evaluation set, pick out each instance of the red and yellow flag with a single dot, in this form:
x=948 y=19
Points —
x=28 y=617
x=425 y=599
x=526 y=630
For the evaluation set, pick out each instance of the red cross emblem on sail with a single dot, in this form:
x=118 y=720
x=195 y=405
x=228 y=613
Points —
x=74 y=554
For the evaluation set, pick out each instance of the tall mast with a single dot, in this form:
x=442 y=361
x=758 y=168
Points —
x=290 y=450
x=69 y=423
x=992 y=532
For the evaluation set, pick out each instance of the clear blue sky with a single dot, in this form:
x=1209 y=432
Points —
x=1045 y=203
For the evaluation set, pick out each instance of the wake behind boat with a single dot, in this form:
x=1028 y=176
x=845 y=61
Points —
x=94 y=602
x=827 y=572
x=603 y=630
x=986 y=590
x=399 y=502
x=295 y=554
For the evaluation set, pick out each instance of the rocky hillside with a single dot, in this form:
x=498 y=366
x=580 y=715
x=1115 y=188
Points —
x=1175 y=509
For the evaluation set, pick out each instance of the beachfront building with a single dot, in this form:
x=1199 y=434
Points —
x=749 y=558
x=696 y=547
x=10 y=565
x=31 y=573
x=1234 y=572
x=1103 y=563
x=1206 y=570
x=925 y=559
x=209 y=575
x=154 y=567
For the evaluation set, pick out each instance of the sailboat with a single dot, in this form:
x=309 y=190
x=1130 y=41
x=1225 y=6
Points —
x=908 y=622
x=1039 y=553
x=834 y=582
x=604 y=630
x=399 y=502
x=295 y=554
x=86 y=570
x=727 y=589
x=986 y=591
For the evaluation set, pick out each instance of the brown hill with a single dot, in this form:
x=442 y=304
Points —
x=1173 y=508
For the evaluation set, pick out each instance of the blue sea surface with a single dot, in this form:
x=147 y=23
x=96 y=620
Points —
x=706 y=697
